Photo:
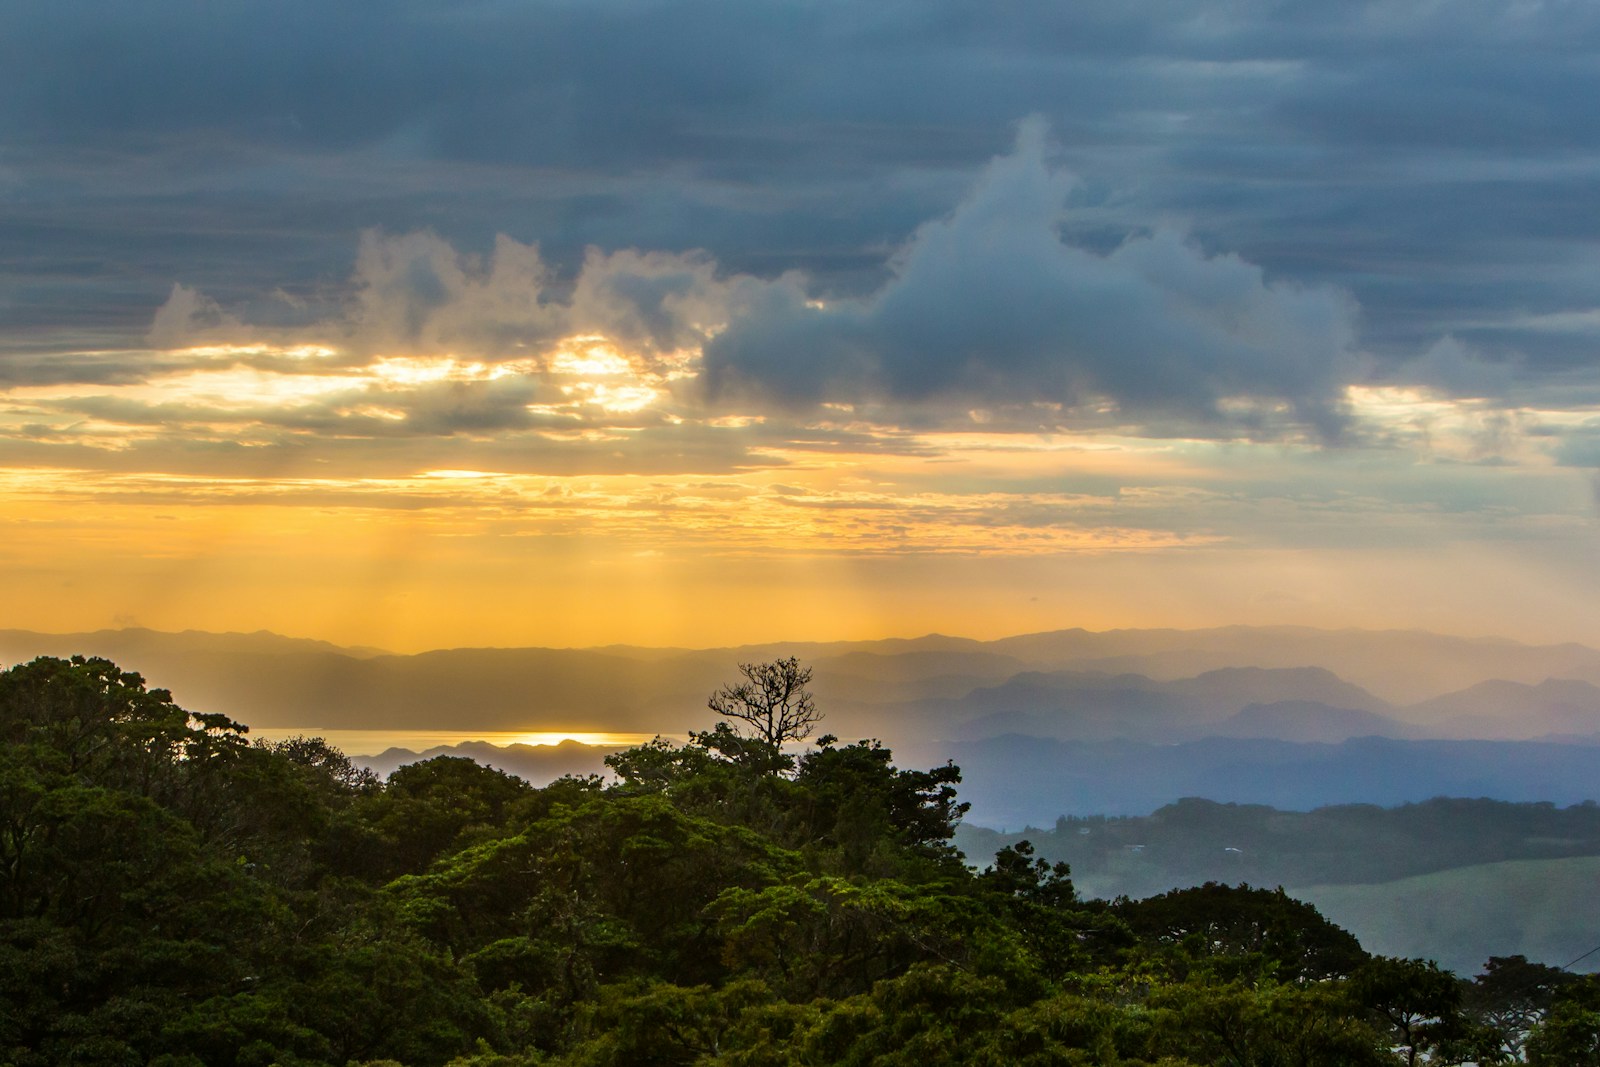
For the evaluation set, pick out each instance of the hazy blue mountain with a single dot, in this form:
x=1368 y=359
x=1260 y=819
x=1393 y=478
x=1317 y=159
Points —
x=1309 y=720
x=1401 y=666
x=1088 y=706
x=876 y=677
x=1015 y=780
x=1512 y=710
x=1070 y=706
x=1227 y=687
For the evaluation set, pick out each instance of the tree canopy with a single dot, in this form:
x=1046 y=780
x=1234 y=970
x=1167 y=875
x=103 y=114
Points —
x=172 y=894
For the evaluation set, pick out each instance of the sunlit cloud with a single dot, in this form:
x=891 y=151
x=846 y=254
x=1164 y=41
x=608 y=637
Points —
x=419 y=370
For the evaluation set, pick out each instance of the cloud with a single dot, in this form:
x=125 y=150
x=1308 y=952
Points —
x=651 y=301
x=1435 y=160
x=989 y=315
x=1585 y=321
x=189 y=316
x=1459 y=370
x=416 y=292
x=471 y=407
x=991 y=305
x=103 y=368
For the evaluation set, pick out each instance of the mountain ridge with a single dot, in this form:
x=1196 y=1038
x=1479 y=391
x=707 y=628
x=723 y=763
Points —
x=898 y=688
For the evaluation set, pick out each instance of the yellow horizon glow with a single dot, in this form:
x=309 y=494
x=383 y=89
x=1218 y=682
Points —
x=179 y=502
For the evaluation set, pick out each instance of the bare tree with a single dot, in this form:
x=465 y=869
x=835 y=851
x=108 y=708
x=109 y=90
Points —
x=772 y=702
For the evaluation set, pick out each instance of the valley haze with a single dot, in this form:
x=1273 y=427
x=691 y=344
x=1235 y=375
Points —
x=1070 y=722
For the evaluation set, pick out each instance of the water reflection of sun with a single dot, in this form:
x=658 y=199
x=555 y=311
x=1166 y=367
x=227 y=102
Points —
x=367 y=742
x=556 y=737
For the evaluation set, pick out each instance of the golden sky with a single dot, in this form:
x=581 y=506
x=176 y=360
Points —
x=477 y=450
x=245 y=488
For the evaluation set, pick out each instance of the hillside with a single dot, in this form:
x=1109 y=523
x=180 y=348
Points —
x=1196 y=841
x=1542 y=909
x=1456 y=880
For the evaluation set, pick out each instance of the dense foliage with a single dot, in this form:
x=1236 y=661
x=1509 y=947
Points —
x=173 y=894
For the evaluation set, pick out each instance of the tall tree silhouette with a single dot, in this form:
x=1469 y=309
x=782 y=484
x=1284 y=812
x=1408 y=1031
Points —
x=772 y=703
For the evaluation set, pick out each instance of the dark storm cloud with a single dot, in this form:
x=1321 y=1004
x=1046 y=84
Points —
x=1437 y=161
x=991 y=305
x=745 y=86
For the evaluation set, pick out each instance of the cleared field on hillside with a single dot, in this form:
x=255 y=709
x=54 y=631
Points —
x=1547 y=910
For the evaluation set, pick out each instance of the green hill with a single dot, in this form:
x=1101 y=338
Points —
x=1547 y=910
x=1196 y=841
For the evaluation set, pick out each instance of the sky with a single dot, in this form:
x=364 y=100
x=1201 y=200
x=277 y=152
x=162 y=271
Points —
x=427 y=324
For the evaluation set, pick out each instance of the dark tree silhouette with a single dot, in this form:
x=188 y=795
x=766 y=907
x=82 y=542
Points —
x=773 y=702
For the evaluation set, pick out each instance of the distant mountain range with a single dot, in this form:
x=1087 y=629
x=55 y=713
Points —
x=1016 y=781
x=1184 y=679
x=1042 y=724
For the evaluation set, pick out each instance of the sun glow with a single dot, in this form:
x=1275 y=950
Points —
x=592 y=371
x=595 y=359
x=234 y=352
x=233 y=388
x=582 y=737
x=423 y=370
x=1457 y=429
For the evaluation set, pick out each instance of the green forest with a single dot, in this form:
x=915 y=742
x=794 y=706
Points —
x=174 y=893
